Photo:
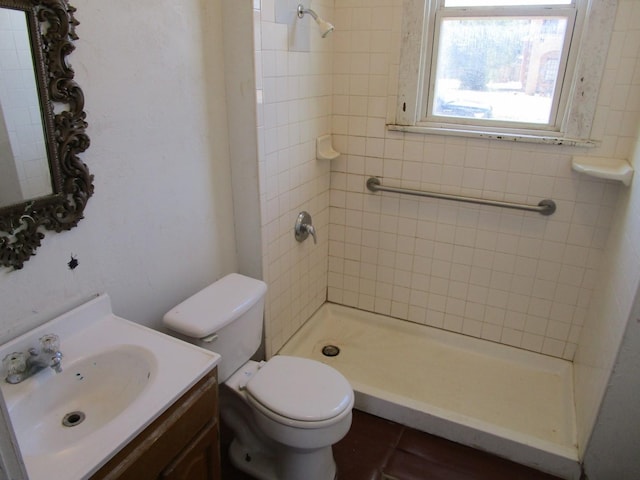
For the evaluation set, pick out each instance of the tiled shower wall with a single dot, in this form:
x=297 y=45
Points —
x=294 y=107
x=512 y=277
x=610 y=322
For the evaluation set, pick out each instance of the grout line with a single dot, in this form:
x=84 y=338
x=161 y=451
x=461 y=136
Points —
x=392 y=449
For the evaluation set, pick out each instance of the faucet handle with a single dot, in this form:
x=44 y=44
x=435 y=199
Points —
x=312 y=231
x=15 y=364
x=50 y=343
x=303 y=227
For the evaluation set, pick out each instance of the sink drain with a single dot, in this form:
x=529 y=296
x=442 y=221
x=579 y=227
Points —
x=73 y=418
x=330 y=350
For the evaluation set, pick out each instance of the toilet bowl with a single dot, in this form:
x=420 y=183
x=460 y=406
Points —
x=285 y=413
x=301 y=406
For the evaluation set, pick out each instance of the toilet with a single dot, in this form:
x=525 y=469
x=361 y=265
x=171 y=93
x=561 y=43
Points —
x=285 y=413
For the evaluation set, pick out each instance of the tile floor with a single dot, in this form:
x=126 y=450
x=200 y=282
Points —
x=377 y=449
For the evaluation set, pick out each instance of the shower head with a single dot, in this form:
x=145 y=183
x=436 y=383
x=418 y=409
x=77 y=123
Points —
x=325 y=27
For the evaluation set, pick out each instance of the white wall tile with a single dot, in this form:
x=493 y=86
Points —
x=508 y=276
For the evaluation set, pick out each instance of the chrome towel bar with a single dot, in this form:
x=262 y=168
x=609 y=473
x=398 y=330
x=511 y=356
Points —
x=545 y=207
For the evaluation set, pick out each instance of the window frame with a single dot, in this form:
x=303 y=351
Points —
x=593 y=27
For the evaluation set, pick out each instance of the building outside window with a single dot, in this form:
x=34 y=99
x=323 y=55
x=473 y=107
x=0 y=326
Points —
x=498 y=67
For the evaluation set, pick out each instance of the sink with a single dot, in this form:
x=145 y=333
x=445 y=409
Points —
x=117 y=377
x=74 y=405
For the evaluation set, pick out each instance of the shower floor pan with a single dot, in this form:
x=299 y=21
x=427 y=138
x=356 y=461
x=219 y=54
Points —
x=508 y=401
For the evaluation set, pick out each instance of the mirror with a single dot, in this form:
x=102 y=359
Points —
x=44 y=185
x=24 y=169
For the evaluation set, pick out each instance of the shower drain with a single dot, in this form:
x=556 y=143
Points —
x=72 y=419
x=330 y=350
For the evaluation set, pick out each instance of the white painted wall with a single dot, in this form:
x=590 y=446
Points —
x=615 y=441
x=160 y=225
x=240 y=74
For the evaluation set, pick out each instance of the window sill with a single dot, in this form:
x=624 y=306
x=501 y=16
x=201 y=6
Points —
x=489 y=135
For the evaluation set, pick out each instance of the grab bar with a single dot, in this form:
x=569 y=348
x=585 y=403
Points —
x=545 y=207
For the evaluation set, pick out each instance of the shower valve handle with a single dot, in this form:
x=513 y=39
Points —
x=312 y=231
x=304 y=228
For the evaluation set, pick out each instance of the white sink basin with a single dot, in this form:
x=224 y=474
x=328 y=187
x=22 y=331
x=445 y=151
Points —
x=74 y=405
x=117 y=378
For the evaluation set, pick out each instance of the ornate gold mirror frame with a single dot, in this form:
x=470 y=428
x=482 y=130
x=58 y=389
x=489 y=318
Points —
x=51 y=25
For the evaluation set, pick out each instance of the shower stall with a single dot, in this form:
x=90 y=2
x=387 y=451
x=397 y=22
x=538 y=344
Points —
x=505 y=400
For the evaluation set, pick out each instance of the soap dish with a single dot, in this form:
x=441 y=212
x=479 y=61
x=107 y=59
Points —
x=324 y=149
x=601 y=167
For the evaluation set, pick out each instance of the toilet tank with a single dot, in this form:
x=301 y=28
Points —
x=226 y=317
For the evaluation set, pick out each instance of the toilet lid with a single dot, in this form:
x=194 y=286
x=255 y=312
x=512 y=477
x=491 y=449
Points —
x=300 y=389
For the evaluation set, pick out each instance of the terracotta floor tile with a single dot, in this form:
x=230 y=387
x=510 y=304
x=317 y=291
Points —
x=375 y=449
x=474 y=464
x=364 y=451
x=405 y=466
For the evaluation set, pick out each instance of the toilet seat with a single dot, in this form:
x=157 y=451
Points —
x=300 y=392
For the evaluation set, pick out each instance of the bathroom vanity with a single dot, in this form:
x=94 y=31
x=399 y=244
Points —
x=183 y=443
x=127 y=402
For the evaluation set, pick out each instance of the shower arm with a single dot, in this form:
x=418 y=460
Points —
x=325 y=27
x=302 y=11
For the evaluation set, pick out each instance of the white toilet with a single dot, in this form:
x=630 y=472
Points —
x=285 y=413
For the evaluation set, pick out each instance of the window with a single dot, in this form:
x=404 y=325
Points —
x=513 y=69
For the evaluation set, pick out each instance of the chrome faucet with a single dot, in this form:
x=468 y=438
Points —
x=19 y=365
x=303 y=228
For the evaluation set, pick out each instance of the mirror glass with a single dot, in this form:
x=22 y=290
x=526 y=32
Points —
x=24 y=165
x=44 y=184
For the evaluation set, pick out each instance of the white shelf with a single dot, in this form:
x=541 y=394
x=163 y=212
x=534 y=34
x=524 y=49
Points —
x=324 y=149
x=601 y=167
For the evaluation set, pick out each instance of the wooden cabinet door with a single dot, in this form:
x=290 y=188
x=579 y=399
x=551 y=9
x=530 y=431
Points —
x=199 y=460
x=185 y=434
